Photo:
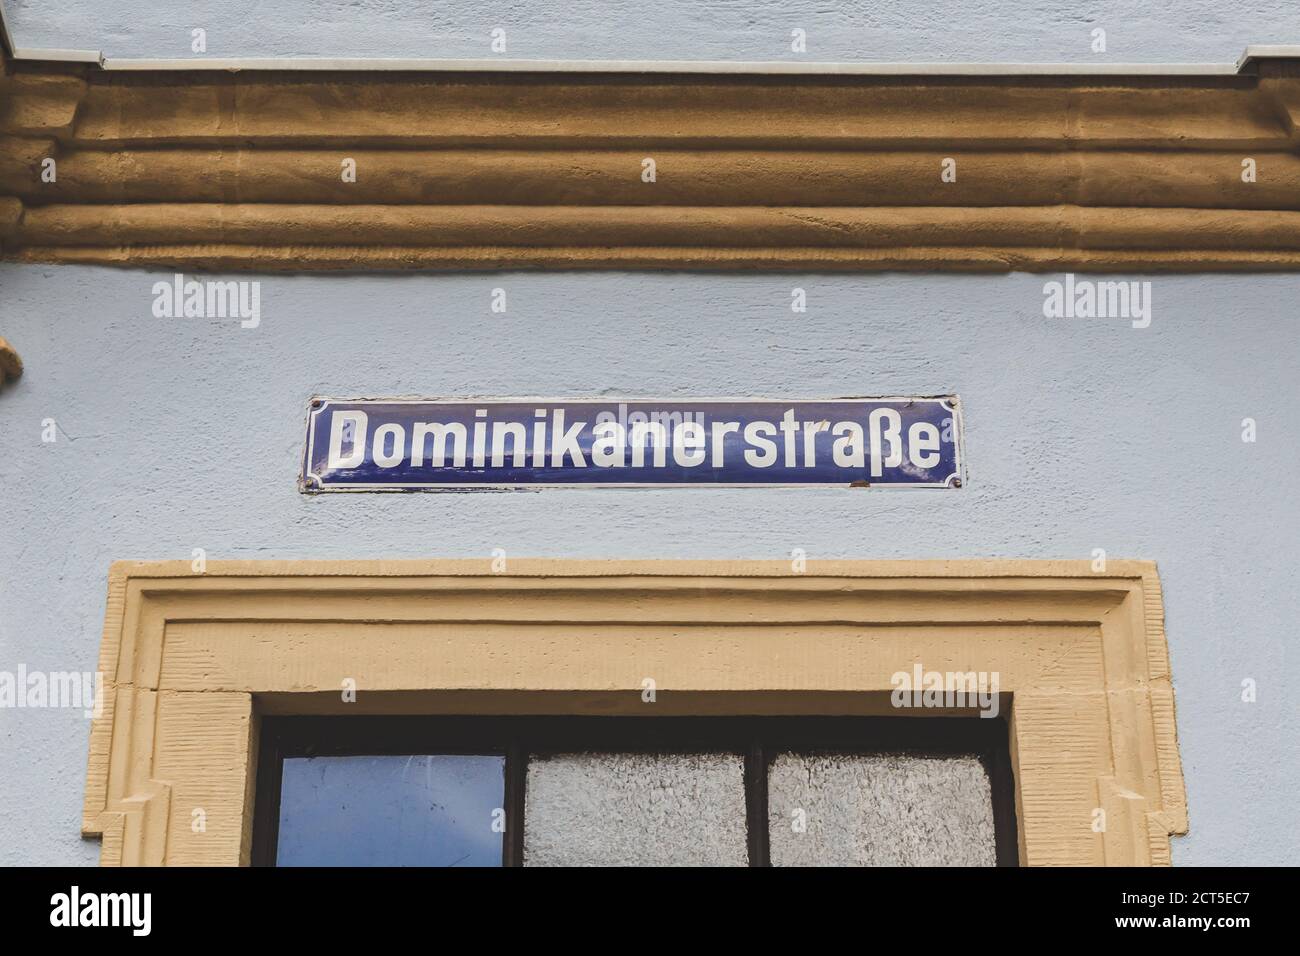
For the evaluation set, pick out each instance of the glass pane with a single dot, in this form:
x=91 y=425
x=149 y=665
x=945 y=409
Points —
x=635 y=810
x=391 y=811
x=880 y=810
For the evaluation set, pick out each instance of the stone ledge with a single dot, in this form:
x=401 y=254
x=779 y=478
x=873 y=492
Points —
x=242 y=171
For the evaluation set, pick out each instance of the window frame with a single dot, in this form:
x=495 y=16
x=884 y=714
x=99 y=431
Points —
x=759 y=739
x=192 y=661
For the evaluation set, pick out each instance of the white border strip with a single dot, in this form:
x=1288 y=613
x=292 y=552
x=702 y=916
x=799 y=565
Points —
x=764 y=68
x=60 y=56
x=752 y=68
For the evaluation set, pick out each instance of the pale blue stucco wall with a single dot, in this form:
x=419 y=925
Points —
x=883 y=30
x=1081 y=434
x=180 y=434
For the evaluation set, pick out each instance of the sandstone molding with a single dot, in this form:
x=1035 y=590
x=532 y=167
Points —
x=203 y=169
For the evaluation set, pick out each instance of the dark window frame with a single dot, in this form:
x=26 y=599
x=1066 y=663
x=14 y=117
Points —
x=758 y=739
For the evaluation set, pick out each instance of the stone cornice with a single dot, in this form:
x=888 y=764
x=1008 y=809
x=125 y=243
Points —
x=199 y=169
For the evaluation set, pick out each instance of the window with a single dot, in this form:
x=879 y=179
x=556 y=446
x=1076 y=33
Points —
x=188 y=657
x=390 y=809
x=571 y=791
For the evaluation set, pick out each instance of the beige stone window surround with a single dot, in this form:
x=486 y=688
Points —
x=191 y=661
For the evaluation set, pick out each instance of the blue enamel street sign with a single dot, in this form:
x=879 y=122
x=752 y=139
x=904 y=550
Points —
x=396 y=445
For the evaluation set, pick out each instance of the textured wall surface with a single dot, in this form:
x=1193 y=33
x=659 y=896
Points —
x=882 y=810
x=635 y=810
x=985 y=30
x=1081 y=434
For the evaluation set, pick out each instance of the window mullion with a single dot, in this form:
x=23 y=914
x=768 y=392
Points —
x=756 y=803
x=512 y=847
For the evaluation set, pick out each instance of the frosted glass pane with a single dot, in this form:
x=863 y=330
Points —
x=636 y=810
x=390 y=811
x=880 y=810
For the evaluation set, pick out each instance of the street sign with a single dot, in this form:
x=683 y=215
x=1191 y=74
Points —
x=402 y=445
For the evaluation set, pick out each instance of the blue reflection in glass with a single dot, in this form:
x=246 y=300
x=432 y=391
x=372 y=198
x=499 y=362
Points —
x=435 y=810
